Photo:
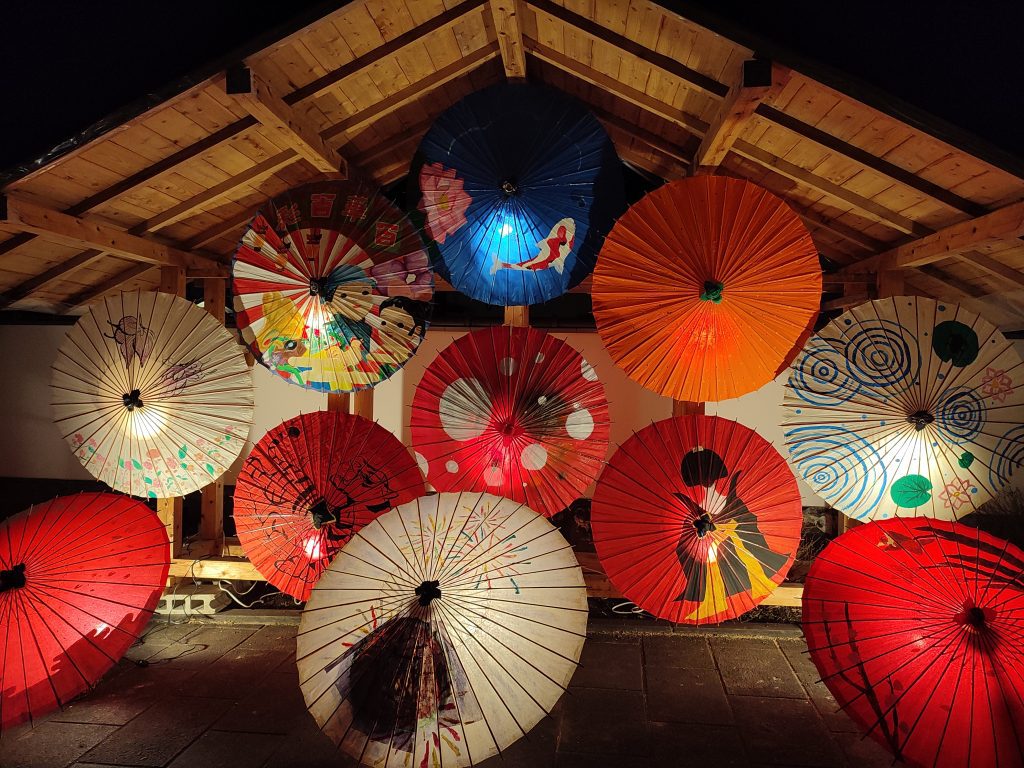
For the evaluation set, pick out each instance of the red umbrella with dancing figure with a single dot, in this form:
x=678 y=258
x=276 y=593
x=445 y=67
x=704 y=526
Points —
x=308 y=485
x=696 y=519
x=79 y=579
x=915 y=627
x=514 y=412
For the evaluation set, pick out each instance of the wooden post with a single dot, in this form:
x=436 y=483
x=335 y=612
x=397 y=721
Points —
x=338 y=402
x=362 y=403
x=686 y=408
x=889 y=282
x=211 y=514
x=172 y=280
x=517 y=316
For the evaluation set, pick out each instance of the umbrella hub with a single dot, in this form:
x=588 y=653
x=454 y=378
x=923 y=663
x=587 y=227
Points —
x=321 y=286
x=712 y=291
x=974 y=617
x=510 y=187
x=510 y=428
x=132 y=400
x=920 y=419
x=428 y=591
x=13 y=578
x=704 y=525
x=322 y=514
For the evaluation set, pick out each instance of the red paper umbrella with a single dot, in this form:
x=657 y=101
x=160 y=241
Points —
x=308 y=485
x=696 y=519
x=513 y=412
x=916 y=627
x=79 y=579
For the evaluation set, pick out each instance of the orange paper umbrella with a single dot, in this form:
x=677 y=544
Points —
x=703 y=288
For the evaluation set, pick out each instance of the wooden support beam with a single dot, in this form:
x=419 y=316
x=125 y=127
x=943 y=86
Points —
x=362 y=403
x=338 y=402
x=596 y=31
x=81 y=233
x=418 y=90
x=413 y=36
x=211 y=511
x=946 y=286
x=870 y=161
x=995 y=267
x=1006 y=223
x=687 y=408
x=656 y=142
x=63 y=269
x=218 y=230
x=412 y=133
x=517 y=316
x=141 y=178
x=869 y=208
x=852 y=234
x=615 y=87
x=889 y=282
x=215 y=569
x=294 y=129
x=94 y=291
x=759 y=79
x=172 y=280
x=507 y=16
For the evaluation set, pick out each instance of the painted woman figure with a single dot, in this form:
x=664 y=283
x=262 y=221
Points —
x=729 y=555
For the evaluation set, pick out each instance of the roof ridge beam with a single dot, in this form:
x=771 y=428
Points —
x=506 y=15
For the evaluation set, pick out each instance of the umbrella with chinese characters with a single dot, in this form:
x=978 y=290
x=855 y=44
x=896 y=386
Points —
x=511 y=411
x=915 y=627
x=704 y=286
x=906 y=406
x=309 y=484
x=153 y=394
x=696 y=519
x=518 y=185
x=442 y=632
x=332 y=286
x=79 y=579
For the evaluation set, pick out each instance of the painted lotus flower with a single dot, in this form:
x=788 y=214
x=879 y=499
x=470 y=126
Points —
x=407 y=275
x=444 y=200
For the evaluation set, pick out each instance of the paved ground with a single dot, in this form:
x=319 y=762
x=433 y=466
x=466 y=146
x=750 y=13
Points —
x=215 y=696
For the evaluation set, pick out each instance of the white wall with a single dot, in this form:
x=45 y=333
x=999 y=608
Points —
x=32 y=446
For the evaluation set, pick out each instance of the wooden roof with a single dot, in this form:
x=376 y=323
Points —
x=354 y=91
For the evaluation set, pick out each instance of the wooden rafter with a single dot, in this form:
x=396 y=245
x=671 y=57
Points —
x=995 y=267
x=291 y=126
x=609 y=84
x=507 y=16
x=95 y=291
x=418 y=90
x=760 y=78
x=414 y=35
x=218 y=230
x=949 y=286
x=852 y=234
x=1004 y=223
x=82 y=233
x=599 y=32
x=649 y=139
x=33 y=284
x=872 y=162
x=869 y=208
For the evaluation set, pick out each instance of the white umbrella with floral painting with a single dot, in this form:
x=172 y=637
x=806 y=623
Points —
x=442 y=632
x=153 y=394
x=906 y=406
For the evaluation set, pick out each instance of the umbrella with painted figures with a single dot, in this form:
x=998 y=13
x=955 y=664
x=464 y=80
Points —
x=906 y=406
x=514 y=412
x=442 y=632
x=153 y=394
x=703 y=288
x=915 y=627
x=79 y=579
x=309 y=484
x=517 y=185
x=696 y=519
x=332 y=286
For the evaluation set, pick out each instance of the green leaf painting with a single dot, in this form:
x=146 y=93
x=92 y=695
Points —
x=136 y=463
x=182 y=451
x=911 y=491
x=966 y=459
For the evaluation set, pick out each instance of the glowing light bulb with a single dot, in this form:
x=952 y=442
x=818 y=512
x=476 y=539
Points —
x=313 y=547
x=146 y=421
x=507 y=229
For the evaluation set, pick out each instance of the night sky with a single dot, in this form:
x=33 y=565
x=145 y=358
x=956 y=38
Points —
x=67 y=65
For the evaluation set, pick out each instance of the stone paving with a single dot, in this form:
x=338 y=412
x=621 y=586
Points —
x=227 y=696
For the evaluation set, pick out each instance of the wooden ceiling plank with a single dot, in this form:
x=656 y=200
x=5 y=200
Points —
x=851 y=234
x=416 y=34
x=93 y=292
x=1005 y=223
x=945 y=285
x=759 y=80
x=254 y=93
x=870 y=161
x=416 y=91
x=63 y=269
x=506 y=15
x=219 y=230
x=81 y=233
x=598 y=32
x=657 y=143
x=611 y=85
x=869 y=208
x=995 y=267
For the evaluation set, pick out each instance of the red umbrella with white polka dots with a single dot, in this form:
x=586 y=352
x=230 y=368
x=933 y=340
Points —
x=514 y=412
